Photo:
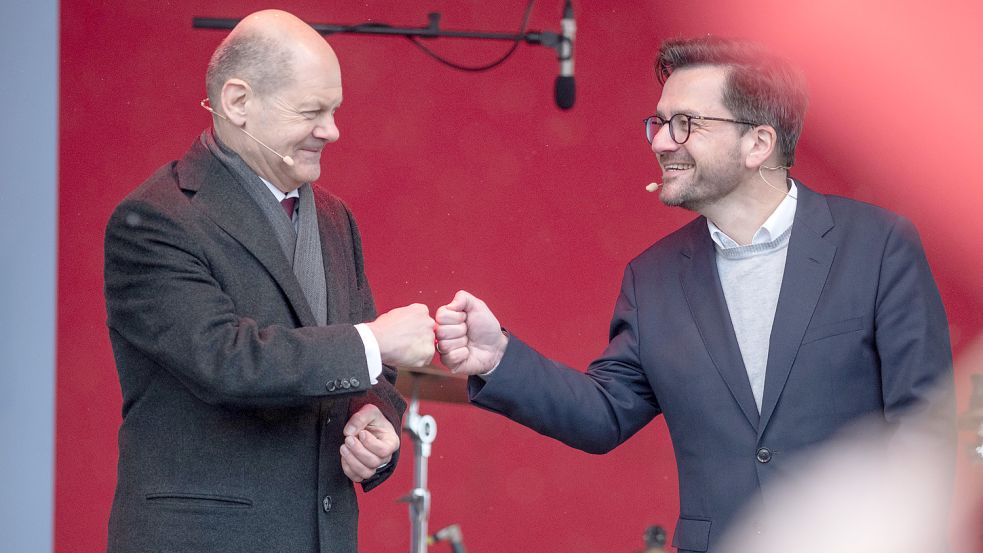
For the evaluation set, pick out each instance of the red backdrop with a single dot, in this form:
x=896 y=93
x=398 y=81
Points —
x=478 y=181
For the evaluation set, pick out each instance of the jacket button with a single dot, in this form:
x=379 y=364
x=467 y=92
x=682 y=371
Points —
x=355 y=383
x=345 y=383
x=763 y=455
x=326 y=503
x=331 y=386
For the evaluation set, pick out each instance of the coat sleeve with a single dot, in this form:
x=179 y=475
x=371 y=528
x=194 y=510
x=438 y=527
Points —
x=594 y=411
x=164 y=302
x=912 y=337
x=383 y=394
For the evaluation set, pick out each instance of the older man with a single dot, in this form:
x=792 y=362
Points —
x=255 y=392
x=771 y=321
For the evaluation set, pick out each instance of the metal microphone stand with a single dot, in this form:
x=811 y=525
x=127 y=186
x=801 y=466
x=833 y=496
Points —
x=423 y=431
x=432 y=384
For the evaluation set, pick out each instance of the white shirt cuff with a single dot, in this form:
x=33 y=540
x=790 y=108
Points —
x=373 y=357
x=487 y=375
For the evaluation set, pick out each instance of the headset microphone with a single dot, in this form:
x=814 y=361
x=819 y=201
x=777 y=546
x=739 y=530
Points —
x=652 y=186
x=286 y=159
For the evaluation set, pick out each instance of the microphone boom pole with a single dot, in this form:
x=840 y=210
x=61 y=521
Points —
x=557 y=41
x=433 y=30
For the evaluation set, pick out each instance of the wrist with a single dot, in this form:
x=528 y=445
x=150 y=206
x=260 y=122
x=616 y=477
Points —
x=501 y=344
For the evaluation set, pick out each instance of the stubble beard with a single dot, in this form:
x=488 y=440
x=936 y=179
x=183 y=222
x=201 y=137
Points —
x=707 y=183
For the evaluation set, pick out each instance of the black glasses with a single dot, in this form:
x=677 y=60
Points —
x=680 y=125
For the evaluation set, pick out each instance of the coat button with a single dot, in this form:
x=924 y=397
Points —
x=326 y=503
x=355 y=383
x=345 y=383
x=763 y=455
x=331 y=386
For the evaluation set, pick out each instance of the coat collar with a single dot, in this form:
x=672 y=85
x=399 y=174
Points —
x=224 y=200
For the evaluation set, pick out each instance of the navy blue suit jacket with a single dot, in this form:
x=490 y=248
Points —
x=859 y=330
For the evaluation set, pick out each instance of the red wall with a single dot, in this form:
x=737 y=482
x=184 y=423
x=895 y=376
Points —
x=478 y=181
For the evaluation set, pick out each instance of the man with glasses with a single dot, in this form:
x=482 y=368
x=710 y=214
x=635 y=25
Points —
x=771 y=321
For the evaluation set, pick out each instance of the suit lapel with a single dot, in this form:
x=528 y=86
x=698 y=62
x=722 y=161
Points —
x=701 y=287
x=806 y=267
x=225 y=202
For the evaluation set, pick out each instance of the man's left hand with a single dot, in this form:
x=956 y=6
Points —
x=370 y=441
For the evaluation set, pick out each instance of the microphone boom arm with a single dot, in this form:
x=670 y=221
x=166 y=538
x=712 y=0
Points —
x=433 y=30
x=561 y=42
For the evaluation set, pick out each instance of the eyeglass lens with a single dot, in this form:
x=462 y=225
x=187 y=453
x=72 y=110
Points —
x=678 y=127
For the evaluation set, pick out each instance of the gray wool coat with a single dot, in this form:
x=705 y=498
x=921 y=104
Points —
x=234 y=399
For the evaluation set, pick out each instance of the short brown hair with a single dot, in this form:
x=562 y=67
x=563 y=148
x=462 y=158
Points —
x=760 y=86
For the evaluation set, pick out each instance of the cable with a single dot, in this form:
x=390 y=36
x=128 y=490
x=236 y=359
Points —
x=478 y=68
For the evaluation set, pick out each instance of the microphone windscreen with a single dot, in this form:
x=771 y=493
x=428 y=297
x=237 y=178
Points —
x=565 y=92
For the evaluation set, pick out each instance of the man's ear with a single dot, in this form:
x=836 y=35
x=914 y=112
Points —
x=236 y=94
x=760 y=143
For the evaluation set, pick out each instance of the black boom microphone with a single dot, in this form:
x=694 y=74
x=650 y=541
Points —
x=565 y=91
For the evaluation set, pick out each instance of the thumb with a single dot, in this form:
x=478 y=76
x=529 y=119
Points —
x=463 y=301
x=362 y=419
x=459 y=303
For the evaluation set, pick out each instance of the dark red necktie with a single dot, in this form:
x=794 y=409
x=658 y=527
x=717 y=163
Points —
x=289 y=204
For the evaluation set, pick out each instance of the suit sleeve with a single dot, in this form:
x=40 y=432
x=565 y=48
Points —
x=594 y=411
x=383 y=394
x=163 y=301
x=912 y=338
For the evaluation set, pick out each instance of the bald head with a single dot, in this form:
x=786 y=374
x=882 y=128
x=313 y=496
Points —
x=275 y=85
x=265 y=50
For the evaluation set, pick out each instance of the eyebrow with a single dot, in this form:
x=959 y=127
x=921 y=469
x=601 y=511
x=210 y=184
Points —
x=317 y=105
x=690 y=112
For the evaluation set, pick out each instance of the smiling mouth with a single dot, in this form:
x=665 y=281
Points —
x=672 y=169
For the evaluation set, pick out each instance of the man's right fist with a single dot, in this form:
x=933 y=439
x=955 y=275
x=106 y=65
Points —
x=405 y=336
x=471 y=340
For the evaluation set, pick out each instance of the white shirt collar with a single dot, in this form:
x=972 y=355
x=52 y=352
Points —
x=279 y=193
x=778 y=222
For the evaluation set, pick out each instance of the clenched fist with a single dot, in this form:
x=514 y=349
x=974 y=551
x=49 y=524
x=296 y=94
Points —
x=405 y=336
x=470 y=338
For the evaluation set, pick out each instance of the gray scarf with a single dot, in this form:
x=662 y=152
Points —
x=301 y=245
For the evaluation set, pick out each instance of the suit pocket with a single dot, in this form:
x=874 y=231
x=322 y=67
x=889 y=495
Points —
x=833 y=329
x=177 y=499
x=692 y=534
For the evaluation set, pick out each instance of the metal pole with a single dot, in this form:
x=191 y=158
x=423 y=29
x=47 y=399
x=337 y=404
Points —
x=433 y=30
x=423 y=431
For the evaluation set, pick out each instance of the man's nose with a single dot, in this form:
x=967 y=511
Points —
x=327 y=130
x=663 y=142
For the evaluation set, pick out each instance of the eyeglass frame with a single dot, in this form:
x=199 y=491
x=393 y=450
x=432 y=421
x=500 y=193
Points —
x=689 y=125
